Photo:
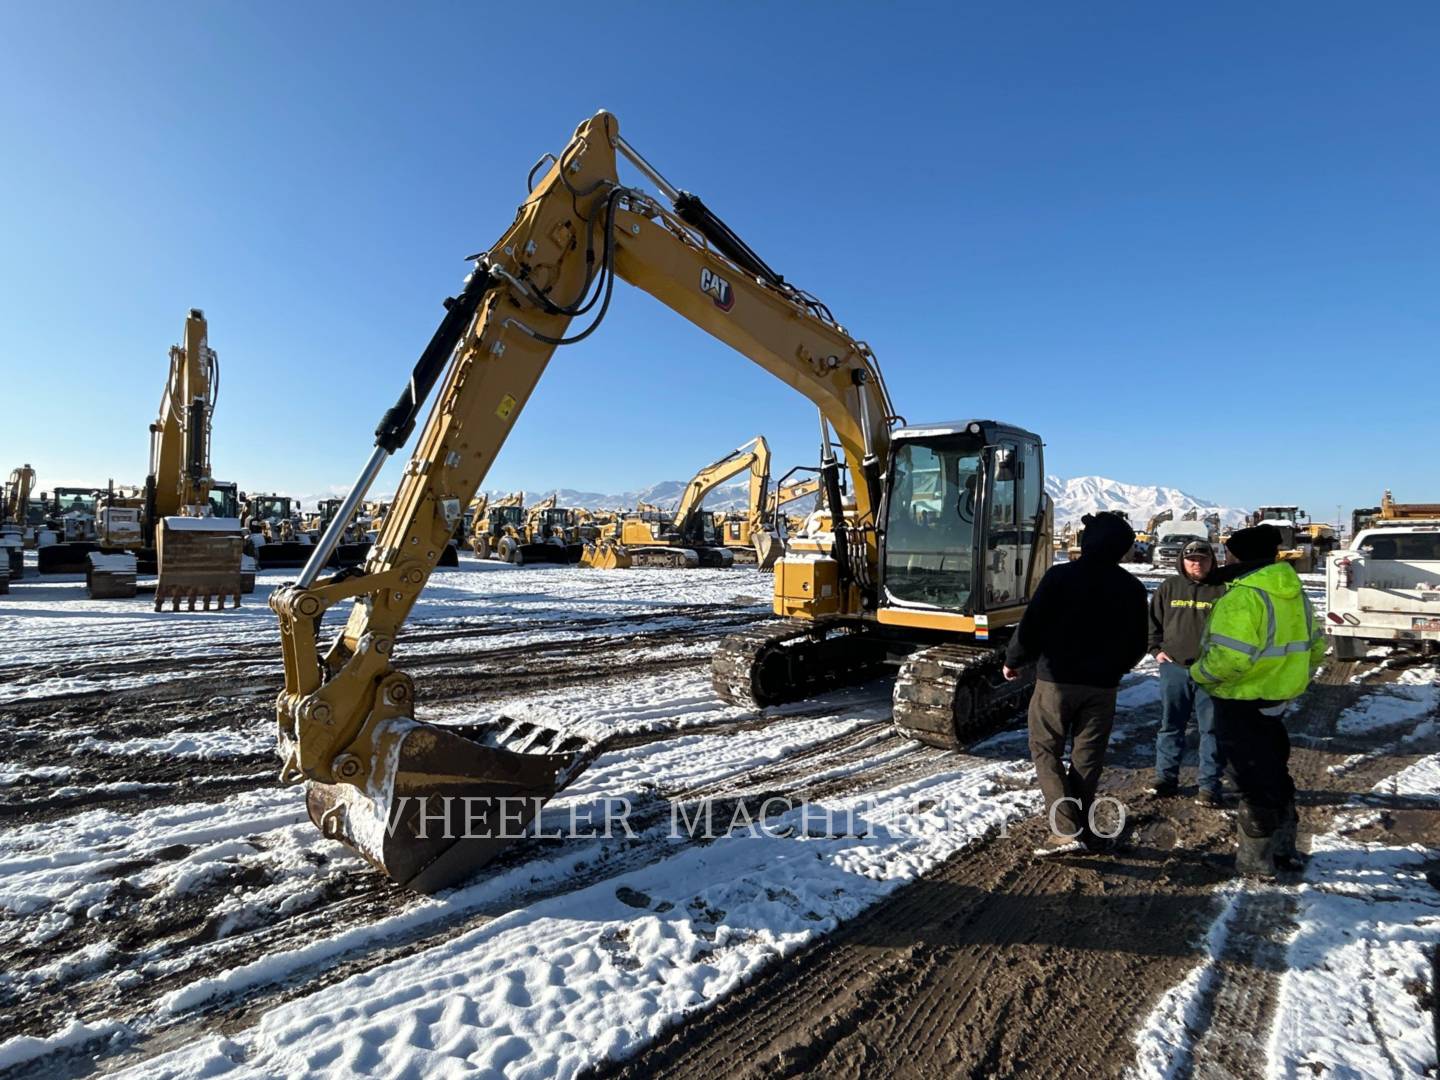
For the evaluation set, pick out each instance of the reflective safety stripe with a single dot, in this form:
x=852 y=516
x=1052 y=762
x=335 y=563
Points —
x=1271 y=650
x=1317 y=635
x=1205 y=673
x=1284 y=650
x=1239 y=646
x=1270 y=624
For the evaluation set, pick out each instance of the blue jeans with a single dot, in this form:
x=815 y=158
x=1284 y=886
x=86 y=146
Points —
x=1179 y=696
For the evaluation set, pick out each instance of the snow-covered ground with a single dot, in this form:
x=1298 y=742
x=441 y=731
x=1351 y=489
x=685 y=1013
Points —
x=574 y=949
x=1355 y=995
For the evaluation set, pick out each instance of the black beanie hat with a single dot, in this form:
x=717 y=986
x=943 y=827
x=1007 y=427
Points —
x=1257 y=544
x=1107 y=536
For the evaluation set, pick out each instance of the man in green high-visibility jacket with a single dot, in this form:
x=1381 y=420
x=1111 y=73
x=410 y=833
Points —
x=1261 y=647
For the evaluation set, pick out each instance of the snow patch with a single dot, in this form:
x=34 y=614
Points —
x=1352 y=1000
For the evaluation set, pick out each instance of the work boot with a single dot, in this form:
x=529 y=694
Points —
x=1287 y=856
x=1256 y=831
x=1165 y=789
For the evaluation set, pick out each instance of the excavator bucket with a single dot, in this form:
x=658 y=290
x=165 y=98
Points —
x=447 y=800
x=605 y=555
x=768 y=549
x=198 y=559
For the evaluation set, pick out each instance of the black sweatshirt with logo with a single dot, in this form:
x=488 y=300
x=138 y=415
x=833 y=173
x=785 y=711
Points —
x=1178 y=613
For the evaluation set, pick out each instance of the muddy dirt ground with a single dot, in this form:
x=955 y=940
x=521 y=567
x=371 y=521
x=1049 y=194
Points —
x=991 y=963
x=1001 y=964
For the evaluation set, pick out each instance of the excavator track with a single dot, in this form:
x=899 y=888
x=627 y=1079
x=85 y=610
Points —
x=773 y=665
x=950 y=695
x=672 y=558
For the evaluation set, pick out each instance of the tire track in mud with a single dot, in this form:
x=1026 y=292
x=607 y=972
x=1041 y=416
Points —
x=347 y=897
x=998 y=964
x=995 y=963
x=227 y=658
x=351 y=896
x=448 y=678
x=1232 y=1041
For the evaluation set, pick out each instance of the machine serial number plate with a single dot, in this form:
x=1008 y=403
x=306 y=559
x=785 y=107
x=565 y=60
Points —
x=1420 y=622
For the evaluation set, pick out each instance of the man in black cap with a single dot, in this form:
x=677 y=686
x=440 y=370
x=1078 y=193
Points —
x=1260 y=650
x=1084 y=628
x=1178 y=612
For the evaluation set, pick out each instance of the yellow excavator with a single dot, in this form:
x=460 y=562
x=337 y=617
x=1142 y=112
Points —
x=692 y=537
x=949 y=536
x=750 y=536
x=15 y=528
x=783 y=526
x=183 y=524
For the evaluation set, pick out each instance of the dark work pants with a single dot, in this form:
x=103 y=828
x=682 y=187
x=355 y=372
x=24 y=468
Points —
x=1256 y=748
x=1062 y=713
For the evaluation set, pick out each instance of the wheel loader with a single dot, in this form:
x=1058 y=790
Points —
x=600 y=535
x=354 y=543
x=275 y=537
x=1303 y=543
x=66 y=537
x=926 y=577
x=496 y=521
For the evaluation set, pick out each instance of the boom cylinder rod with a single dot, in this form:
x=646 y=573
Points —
x=399 y=420
x=330 y=539
x=669 y=190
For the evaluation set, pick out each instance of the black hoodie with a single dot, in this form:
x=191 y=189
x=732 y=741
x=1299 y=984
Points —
x=1179 y=610
x=1087 y=621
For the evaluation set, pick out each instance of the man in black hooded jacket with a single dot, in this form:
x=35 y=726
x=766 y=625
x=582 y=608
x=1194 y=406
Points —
x=1085 y=627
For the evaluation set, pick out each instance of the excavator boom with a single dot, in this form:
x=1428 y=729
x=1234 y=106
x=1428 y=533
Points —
x=427 y=804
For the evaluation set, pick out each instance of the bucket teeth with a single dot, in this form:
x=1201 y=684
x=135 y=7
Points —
x=441 y=802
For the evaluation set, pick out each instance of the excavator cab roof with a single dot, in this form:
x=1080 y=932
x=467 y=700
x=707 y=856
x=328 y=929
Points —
x=989 y=430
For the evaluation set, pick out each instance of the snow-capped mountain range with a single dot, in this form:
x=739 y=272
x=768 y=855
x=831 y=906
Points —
x=1087 y=494
x=1073 y=498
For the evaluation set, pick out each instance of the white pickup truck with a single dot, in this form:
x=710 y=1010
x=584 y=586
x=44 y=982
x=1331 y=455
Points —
x=1385 y=587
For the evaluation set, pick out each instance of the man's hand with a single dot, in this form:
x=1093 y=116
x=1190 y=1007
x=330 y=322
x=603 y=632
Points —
x=1162 y=657
x=1009 y=672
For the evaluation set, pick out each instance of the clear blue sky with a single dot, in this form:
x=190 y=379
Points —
x=1193 y=245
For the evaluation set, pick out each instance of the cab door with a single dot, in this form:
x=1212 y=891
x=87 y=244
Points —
x=1001 y=557
x=1015 y=505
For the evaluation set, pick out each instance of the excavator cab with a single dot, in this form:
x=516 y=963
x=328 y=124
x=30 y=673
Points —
x=964 y=509
x=224 y=500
